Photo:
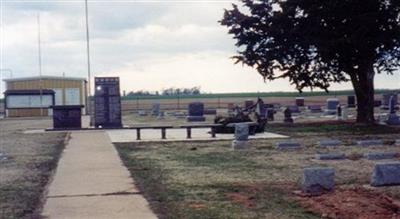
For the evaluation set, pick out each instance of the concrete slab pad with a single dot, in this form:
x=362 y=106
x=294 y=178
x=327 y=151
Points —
x=201 y=134
x=99 y=207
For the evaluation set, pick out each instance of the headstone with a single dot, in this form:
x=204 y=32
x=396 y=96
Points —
x=380 y=155
x=318 y=180
x=330 y=156
x=351 y=101
x=294 y=109
x=377 y=103
x=330 y=143
x=370 y=143
x=339 y=112
x=270 y=114
x=142 y=113
x=155 y=109
x=241 y=136
x=315 y=108
x=196 y=112
x=3 y=156
x=392 y=105
x=288 y=116
x=386 y=174
x=331 y=106
x=210 y=112
x=161 y=115
x=299 y=101
x=386 y=100
x=288 y=145
x=393 y=119
x=345 y=113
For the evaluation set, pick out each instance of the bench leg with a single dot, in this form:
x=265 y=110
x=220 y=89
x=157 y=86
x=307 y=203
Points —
x=189 y=133
x=137 y=134
x=212 y=132
x=163 y=134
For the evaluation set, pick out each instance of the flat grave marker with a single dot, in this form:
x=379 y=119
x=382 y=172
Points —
x=370 y=142
x=380 y=155
x=288 y=145
x=330 y=156
x=330 y=143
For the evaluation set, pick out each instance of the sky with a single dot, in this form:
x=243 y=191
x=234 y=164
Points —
x=150 y=45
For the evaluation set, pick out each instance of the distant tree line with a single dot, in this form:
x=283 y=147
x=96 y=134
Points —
x=166 y=92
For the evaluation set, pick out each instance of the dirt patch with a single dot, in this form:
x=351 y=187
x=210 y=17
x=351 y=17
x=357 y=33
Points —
x=353 y=203
x=246 y=200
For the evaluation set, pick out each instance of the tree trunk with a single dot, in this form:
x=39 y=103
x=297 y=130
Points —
x=363 y=83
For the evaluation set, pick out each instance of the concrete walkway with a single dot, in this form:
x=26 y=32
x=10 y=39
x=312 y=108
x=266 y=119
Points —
x=91 y=182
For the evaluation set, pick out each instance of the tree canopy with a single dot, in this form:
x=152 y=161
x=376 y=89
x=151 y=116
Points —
x=314 y=42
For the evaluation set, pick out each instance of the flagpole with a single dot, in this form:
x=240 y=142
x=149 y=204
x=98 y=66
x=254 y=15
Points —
x=40 y=66
x=88 y=57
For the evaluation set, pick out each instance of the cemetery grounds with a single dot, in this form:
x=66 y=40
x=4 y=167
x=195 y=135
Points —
x=209 y=180
x=26 y=165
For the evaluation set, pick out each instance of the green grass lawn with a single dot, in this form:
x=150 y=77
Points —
x=183 y=180
x=209 y=180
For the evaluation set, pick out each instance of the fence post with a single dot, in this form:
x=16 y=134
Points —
x=137 y=103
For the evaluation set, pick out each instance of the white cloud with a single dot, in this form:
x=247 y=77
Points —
x=151 y=45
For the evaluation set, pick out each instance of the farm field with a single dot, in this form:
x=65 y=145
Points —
x=209 y=180
x=26 y=165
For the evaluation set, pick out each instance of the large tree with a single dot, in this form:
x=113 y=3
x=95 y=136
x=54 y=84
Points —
x=314 y=43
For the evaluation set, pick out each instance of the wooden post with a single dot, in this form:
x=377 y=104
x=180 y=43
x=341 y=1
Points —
x=163 y=133
x=213 y=132
x=189 y=132
x=138 y=134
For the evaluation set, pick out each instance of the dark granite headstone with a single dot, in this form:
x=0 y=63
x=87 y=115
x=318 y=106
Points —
x=351 y=101
x=288 y=116
x=294 y=109
x=196 y=112
x=300 y=101
x=315 y=108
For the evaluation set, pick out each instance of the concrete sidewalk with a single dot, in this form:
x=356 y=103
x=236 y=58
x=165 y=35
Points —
x=91 y=182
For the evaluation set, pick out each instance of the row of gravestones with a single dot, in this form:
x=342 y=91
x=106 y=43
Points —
x=317 y=180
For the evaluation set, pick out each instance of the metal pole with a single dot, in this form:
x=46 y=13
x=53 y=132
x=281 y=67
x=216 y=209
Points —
x=40 y=67
x=88 y=56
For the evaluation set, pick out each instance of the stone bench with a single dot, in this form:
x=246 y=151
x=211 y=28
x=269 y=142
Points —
x=330 y=156
x=317 y=180
x=330 y=143
x=190 y=127
x=380 y=155
x=370 y=143
x=386 y=174
x=288 y=145
x=163 y=129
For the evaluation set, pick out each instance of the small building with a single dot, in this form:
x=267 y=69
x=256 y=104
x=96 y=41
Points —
x=21 y=94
